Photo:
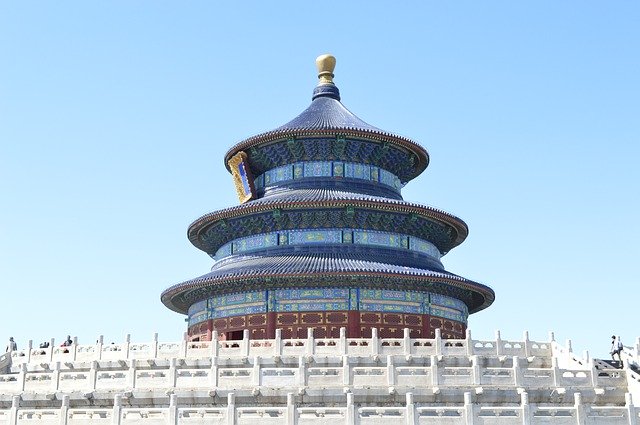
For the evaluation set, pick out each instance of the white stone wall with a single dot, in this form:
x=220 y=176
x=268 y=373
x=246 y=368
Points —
x=315 y=381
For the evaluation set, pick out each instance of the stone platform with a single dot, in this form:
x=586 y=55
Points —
x=317 y=381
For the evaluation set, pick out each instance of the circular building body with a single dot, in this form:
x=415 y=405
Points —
x=323 y=238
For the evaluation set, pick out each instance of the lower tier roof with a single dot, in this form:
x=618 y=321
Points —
x=239 y=273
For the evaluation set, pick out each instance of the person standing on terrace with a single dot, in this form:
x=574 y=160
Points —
x=616 y=348
x=11 y=345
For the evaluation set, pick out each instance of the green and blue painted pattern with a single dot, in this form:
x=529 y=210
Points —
x=326 y=236
x=307 y=169
x=328 y=299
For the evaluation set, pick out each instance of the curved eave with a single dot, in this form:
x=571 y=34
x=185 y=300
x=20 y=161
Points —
x=194 y=230
x=382 y=136
x=170 y=297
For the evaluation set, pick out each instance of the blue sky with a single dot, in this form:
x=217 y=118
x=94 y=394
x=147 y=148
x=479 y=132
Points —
x=115 y=116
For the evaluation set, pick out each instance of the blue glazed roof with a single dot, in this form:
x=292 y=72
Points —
x=327 y=113
x=257 y=266
x=249 y=265
x=284 y=197
x=287 y=198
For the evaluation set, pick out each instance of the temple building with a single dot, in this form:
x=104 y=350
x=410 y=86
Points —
x=327 y=304
x=323 y=238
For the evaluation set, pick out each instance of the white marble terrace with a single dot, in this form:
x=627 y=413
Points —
x=317 y=381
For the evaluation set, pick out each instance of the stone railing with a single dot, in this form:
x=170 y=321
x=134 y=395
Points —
x=347 y=412
x=285 y=347
x=5 y=361
x=310 y=372
x=312 y=363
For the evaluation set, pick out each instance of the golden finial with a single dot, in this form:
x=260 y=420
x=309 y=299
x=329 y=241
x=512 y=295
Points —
x=326 y=64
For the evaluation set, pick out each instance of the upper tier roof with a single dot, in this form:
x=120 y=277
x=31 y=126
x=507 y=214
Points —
x=326 y=112
x=328 y=116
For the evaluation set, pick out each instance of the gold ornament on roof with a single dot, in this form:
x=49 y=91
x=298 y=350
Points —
x=326 y=64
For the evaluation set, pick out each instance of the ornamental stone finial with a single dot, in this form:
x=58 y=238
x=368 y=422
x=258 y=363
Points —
x=326 y=64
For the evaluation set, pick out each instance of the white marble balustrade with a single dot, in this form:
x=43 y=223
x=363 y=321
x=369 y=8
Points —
x=346 y=413
x=282 y=347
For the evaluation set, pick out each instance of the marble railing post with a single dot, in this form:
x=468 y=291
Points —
x=391 y=371
x=184 y=346
x=13 y=413
x=527 y=344
x=256 y=371
x=375 y=342
x=215 y=346
x=525 y=408
x=438 y=341
x=310 y=348
x=499 y=347
x=302 y=371
x=351 y=410
x=154 y=345
x=117 y=410
x=594 y=373
x=636 y=349
x=99 y=347
x=406 y=341
x=568 y=354
x=555 y=371
x=64 y=410
x=22 y=377
x=517 y=372
x=29 y=349
x=173 y=409
x=245 y=342
x=469 y=342
x=468 y=409
x=93 y=375
x=580 y=413
x=435 y=379
x=343 y=340
x=127 y=345
x=52 y=344
x=411 y=411
x=131 y=379
x=631 y=410
x=213 y=374
x=74 y=347
x=172 y=372
x=277 y=343
x=55 y=376
x=476 y=374
x=231 y=409
x=291 y=409
x=346 y=370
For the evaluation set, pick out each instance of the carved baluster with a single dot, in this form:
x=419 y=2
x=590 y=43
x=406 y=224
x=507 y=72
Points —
x=117 y=409
x=351 y=410
x=291 y=409
x=525 y=408
x=310 y=349
x=173 y=409
x=343 y=340
x=231 y=409
x=64 y=410
x=411 y=411
x=391 y=371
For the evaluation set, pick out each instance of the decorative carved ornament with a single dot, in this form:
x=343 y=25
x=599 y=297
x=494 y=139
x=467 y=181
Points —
x=242 y=178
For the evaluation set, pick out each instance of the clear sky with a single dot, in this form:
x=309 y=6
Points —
x=115 y=116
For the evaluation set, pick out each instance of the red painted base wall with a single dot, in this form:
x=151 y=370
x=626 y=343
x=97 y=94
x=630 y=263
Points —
x=327 y=324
